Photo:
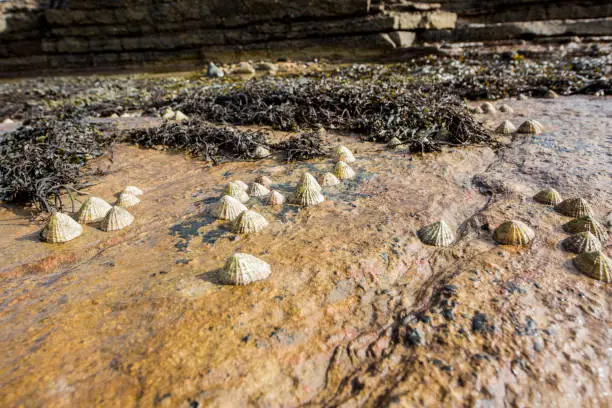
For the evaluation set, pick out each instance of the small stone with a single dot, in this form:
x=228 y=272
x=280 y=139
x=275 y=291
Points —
x=267 y=67
x=244 y=68
x=214 y=71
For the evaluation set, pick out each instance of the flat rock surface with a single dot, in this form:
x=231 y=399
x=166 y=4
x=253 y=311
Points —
x=357 y=311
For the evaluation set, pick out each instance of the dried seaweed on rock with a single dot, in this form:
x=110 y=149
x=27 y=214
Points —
x=305 y=146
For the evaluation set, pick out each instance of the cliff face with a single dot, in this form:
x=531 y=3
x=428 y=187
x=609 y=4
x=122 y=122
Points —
x=56 y=35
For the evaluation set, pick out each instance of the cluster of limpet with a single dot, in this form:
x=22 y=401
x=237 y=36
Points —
x=243 y=269
x=94 y=209
x=513 y=233
x=116 y=219
x=548 y=196
x=595 y=265
x=437 y=234
x=61 y=228
x=505 y=128
x=531 y=127
x=574 y=207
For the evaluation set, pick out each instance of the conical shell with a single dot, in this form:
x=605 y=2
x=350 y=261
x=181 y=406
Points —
x=260 y=152
x=276 y=198
x=126 y=200
x=235 y=190
x=264 y=181
x=477 y=110
x=229 y=208
x=258 y=190
x=595 y=265
x=133 y=190
x=180 y=116
x=308 y=196
x=242 y=184
x=309 y=182
x=94 y=209
x=522 y=97
x=587 y=223
x=548 y=196
x=506 y=128
x=61 y=228
x=505 y=108
x=488 y=107
x=574 y=207
x=328 y=180
x=550 y=94
x=436 y=234
x=242 y=269
x=117 y=218
x=581 y=242
x=531 y=127
x=169 y=114
x=393 y=143
x=343 y=171
x=513 y=233
x=249 y=222
x=344 y=154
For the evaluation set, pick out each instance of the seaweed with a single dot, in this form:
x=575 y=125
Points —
x=304 y=146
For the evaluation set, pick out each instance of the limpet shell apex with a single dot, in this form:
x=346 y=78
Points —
x=488 y=107
x=574 y=207
x=505 y=128
x=531 y=127
x=595 y=265
x=436 y=234
x=309 y=182
x=249 y=222
x=126 y=200
x=242 y=269
x=235 y=190
x=60 y=228
x=513 y=232
x=581 y=242
x=328 y=180
x=93 y=209
x=276 y=198
x=548 y=196
x=242 y=184
x=229 y=208
x=587 y=223
x=343 y=171
x=260 y=152
x=117 y=218
x=258 y=190
x=344 y=154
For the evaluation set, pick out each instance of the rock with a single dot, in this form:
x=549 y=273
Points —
x=214 y=71
x=244 y=68
x=266 y=66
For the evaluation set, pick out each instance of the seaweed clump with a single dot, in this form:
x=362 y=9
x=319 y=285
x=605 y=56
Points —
x=43 y=159
x=305 y=146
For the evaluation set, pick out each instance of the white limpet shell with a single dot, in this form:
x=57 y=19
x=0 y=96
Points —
x=276 y=198
x=328 y=180
x=235 y=190
x=531 y=127
x=309 y=182
x=574 y=207
x=116 y=219
x=264 y=180
x=169 y=114
x=249 y=222
x=548 y=196
x=133 y=190
x=488 y=107
x=581 y=242
x=393 y=143
x=242 y=184
x=514 y=233
x=344 y=154
x=550 y=94
x=505 y=108
x=506 y=128
x=437 y=234
x=126 y=200
x=180 y=116
x=61 y=228
x=229 y=208
x=94 y=209
x=260 y=152
x=242 y=269
x=258 y=190
x=308 y=196
x=343 y=171
x=522 y=97
x=595 y=265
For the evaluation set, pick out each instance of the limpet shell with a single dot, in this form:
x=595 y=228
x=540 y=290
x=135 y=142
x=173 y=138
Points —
x=94 y=209
x=169 y=114
x=488 y=107
x=235 y=190
x=117 y=218
x=505 y=108
x=393 y=143
x=531 y=127
x=344 y=154
x=60 y=228
x=581 y=242
x=476 y=110
x=276 y=198
x=260 y=152
x=343 y=171
x=436 y=234
x=308 y=196
x=522 y=97
x=242 y=269
x=505 y=128
x=550 y=94
x=328 y=180
x=180 y=116
x=249 y=222
x=126 y=200
x=587 y=223
x=242 y=184
x=574 y=207
x=133 y=190
x=513 y=233
x=548 y=196
x=264 y=180
x=258 y=190
x=229 y=208
x=309 y=182
x=595 y=265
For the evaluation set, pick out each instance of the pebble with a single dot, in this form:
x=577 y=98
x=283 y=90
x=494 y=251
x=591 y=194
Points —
x=214 y=71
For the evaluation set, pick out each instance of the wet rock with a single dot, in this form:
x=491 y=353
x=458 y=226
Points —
x=480 y=323
x=266 y=67
x=414 y=337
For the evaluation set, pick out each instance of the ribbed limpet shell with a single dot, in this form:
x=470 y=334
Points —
x=169 y=114
x=548 y=196
x=505 y=108
x=249 y=222
x=60 y=228
x=264 y=180
x=276 y=198
x=581 y=242
x=309 y=182
x=574 y=207
x=343 y=171
x=126 y=200
x=488 y=107
x=117 y=218
x=229 y=208
x=393 y=143
x=242 y=269
x=595 y=265
x=531 y=127
x=587 y=223
x=513 y=233
x=437 y=234
x=344 y=154
x=308 y=196
x=242 y=184
x=235 y=190
x=328 y=180
x=505 y=128
x=260 y=152
x=550 y=94
x=133 y=190
x=258 y=190
x=94 y=209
